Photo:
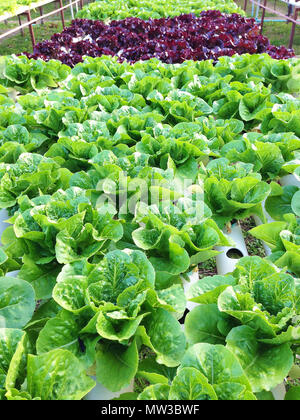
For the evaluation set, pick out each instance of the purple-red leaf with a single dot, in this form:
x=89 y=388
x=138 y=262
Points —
x=172 y=40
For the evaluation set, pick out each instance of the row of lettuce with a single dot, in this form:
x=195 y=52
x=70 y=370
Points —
x=210 y=35
x=118 y=180
x=12 y=6
x=121 y=9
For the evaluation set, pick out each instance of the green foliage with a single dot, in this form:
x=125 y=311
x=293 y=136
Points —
x=207 y=372
x=120 y=9
x=26 y=75
x=255 y=311
x=118 y=180
x=283 y=239
x=12 y=6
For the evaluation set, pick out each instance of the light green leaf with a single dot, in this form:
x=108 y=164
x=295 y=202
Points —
x=57 y=375
x=116 y=365
x=17 y=302
x=265 y=366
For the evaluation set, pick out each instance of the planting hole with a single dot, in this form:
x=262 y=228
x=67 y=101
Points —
x=234 y=254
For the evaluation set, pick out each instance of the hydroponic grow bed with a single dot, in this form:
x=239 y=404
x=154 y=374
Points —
x=118 y=180
x=172 y=40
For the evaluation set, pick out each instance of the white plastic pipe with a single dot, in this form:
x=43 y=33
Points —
x=225 y=264
x=279 y=392
x=3 y=216
x=100 y=393
x=13 y=273
x=194 y=277
x=290 y=180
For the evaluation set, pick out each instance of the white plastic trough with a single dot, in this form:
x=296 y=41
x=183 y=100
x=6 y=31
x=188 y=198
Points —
x=13 y=273
x=279 y=392
x=100 y=393
x=194 y=277
x=225 y=264
x=290 y=180
x=3 y=225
